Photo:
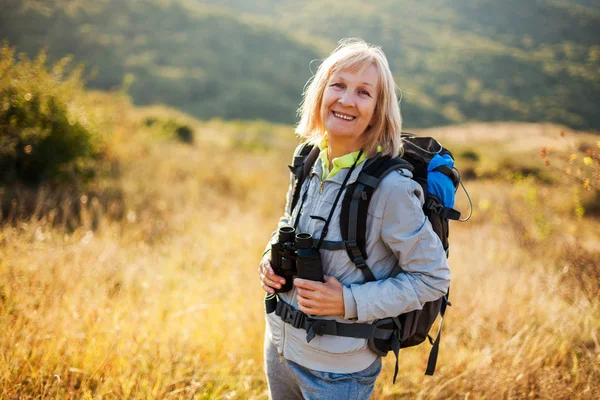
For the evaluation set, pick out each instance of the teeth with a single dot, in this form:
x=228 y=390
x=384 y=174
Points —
x=346 y=117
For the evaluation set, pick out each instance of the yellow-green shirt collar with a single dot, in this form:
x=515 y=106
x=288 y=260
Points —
x=345 y=161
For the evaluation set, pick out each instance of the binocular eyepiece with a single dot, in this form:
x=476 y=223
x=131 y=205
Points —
x=294 y=255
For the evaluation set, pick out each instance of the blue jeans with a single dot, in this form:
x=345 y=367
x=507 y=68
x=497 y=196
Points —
x=288 y=380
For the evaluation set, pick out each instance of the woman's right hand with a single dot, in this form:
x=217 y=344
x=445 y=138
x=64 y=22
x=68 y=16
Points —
x=270 y=281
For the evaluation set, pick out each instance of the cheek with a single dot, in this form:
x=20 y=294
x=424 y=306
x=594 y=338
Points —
x=328 y=99
x=369 y=112
x=323 y=110
x=324 y=102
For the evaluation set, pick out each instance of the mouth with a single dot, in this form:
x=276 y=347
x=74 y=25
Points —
x=343 y=116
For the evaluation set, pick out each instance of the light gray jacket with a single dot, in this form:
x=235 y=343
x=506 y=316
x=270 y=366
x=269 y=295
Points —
x=400 y=241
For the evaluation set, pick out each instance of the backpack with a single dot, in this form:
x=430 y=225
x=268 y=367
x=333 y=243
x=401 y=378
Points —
x=432 y=167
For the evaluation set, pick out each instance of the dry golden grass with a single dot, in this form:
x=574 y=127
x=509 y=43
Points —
x=165 y=303
x=512 y=136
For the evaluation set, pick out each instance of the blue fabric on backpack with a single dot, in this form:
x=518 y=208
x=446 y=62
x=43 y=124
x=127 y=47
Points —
x=438 y=183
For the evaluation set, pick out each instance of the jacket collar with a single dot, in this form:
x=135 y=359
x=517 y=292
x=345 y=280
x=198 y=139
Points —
x=340 y=176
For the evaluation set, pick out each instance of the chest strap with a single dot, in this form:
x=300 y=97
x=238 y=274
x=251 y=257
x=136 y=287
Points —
x=330 y=244
x=313 y=326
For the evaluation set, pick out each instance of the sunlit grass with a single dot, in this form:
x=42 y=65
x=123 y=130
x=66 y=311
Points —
x=165 y=303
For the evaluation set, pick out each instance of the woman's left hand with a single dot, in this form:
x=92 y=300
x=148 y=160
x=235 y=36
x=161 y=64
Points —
x=320 y=298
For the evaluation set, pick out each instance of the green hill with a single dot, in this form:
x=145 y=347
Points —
x=469 y=60
x=466 y=60
x=205 y=62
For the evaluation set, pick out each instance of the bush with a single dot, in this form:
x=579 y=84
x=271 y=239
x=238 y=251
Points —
x=46 y=133
x=469 y=155
x=581 y=270
x=185 y=134
x=170 y=129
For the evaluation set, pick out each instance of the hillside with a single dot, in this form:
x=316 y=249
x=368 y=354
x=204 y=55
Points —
x=468 y=60
x=205 y=62
x=455 y=62
x=151 y=290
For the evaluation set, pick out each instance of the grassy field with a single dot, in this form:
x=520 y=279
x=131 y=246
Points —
x=164 y=301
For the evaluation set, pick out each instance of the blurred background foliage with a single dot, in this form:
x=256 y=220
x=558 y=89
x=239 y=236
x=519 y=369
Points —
x=459 y=61
x=46 y=133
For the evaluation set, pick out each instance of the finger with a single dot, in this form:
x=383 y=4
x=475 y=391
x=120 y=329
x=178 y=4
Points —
x=274 y=277
x=268 y=289
x=306 y=284
x=270 y=282
x=267 y=269
x=265 y=266
x=309 y=302
x=311 y=310
x=308 y=294
x=331 y=281
x=304 y=303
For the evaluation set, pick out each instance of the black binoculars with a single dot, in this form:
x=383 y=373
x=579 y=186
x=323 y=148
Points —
x=294 y=255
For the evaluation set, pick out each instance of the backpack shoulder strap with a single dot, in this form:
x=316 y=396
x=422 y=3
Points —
x=304 y=157
x=355 y=205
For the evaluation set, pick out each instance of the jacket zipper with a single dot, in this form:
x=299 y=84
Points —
x=282 y=341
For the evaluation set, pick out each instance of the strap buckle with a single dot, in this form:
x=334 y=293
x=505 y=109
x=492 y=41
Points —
x=322 y=326
x=360 y=262
x=298 y=319
x=293 y=317
x=435 y=206
x=353 y=249
x=355 y=253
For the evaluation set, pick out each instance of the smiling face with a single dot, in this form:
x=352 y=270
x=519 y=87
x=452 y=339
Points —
x=348 y=105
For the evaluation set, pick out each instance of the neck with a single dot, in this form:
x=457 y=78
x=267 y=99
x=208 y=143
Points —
x=339 y=148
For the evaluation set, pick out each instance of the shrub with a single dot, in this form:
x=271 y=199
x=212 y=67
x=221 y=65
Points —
x=170 y=128
x=185 y=134
x=581 y=270
x=469 y=155
x=46 y=133
x=580 y=163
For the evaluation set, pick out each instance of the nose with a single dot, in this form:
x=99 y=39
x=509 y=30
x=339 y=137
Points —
x=346 y=99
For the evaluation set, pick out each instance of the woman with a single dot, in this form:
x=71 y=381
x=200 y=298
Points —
x=350 y=110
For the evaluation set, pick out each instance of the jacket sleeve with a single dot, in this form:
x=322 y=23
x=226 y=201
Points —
x=424 y=274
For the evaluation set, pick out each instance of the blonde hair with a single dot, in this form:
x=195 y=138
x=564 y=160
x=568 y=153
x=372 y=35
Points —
x=353 y=55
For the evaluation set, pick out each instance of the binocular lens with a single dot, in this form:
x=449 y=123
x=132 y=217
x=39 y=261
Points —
x=304 y=241
x=286 y=234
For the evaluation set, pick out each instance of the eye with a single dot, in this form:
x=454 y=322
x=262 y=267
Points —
x=337 y=85
x=364 y=92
